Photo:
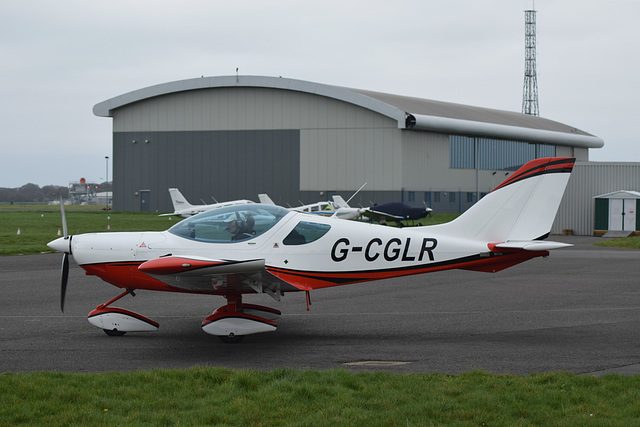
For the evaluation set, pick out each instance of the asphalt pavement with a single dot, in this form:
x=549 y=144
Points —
x=577 y=311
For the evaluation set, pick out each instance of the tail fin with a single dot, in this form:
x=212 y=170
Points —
x=265 y=199
x=178 y=200
x=339 y=201
x=520 y=209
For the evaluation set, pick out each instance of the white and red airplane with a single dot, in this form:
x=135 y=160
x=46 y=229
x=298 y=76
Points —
x=275 y=251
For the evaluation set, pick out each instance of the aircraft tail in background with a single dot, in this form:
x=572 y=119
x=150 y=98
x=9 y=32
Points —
x=178 y=200
x=265 y=199
x=339 y=201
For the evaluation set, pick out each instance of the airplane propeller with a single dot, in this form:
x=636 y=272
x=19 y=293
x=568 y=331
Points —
x=63 y=244
x=65 y=277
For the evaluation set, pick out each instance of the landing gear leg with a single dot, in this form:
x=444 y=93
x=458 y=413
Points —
x=234 y=305
x=233 y=321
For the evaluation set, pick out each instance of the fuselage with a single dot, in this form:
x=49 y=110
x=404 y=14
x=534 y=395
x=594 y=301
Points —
x=342 y=252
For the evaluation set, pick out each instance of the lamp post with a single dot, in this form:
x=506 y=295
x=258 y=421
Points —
x=106 y=192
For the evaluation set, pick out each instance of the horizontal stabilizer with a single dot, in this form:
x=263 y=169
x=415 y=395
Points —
x=535 y=245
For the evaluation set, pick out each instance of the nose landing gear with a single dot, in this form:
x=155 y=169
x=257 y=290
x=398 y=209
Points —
x=117 y=321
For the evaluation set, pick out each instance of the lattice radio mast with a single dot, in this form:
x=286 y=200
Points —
x=530 y=90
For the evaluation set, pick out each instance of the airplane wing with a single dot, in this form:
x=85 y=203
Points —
x=377 y=215
x=194 y=273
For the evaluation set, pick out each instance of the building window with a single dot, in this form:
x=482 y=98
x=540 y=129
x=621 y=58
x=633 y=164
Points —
x=411 y=196
x=436 y=197
x=493 y=153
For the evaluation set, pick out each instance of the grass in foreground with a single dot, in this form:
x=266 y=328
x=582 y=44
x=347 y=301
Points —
x=286 y=396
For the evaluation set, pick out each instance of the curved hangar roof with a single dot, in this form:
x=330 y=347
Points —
x=409 y=112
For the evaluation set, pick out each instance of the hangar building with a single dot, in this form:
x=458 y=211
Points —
x=233 y=137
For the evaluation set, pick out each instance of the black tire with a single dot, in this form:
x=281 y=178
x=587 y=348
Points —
x=231 y=339
x=114 y=332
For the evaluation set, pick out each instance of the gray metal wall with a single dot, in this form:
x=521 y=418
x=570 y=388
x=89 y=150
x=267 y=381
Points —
x=224 y=164
x=577 y=209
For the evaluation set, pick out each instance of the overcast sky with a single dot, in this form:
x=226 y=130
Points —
x=60 y=58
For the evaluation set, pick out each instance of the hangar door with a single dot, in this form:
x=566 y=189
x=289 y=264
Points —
x=622 y=214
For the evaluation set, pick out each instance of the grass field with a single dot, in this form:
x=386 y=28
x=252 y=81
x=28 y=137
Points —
x=39 y=226
x=626 y=242
x=213 y=396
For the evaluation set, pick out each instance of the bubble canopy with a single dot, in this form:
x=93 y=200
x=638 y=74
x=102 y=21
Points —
x=230 y=224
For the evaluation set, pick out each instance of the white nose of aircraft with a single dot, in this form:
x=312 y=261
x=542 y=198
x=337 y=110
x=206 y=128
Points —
x=61 y=244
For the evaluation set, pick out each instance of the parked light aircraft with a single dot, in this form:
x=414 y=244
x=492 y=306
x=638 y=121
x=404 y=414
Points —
x=337 y=208
x=395 y=211
x=291 y=252
x=185 y=209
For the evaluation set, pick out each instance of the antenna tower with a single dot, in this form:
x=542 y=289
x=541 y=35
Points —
x=530 y=90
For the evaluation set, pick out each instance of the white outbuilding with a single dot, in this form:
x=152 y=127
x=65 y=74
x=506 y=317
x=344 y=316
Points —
x=616 y=213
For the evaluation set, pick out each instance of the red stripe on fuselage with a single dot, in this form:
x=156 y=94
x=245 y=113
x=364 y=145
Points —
x=309 y=280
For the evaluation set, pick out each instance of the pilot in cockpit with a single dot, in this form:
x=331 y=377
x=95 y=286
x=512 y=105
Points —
x=241 y=226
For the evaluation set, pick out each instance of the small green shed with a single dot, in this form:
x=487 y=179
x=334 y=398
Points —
x=617 y=212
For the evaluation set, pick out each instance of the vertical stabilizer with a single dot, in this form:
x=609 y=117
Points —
x=178 y=200
x=522 y=208
x=339 y=201
x=265 y=199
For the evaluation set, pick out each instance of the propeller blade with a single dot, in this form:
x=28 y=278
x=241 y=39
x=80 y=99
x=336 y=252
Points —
x=64 y=219
x=65 y=276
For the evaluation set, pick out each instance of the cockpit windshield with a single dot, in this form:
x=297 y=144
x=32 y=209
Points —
x=230 y=224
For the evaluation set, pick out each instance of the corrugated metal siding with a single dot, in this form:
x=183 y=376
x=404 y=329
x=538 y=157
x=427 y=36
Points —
x=588 y=180
x=494 y=154
x=347 y=158
x=425 y=161
x=242 y=109
x=226 y=165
